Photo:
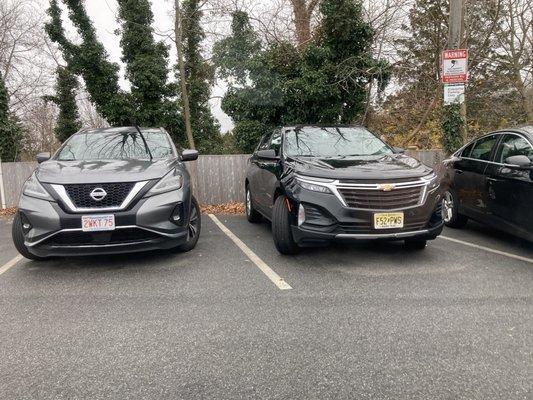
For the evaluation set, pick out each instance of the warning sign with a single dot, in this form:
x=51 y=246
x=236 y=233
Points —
x=455 y=66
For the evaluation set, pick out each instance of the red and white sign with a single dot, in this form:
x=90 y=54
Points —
x=455 y=66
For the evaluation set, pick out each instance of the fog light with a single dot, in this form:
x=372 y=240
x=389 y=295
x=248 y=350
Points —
x=26 y=225
x=176 y=216
x=301 y=215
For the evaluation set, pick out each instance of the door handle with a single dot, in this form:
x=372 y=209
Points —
x=491 y=180
x=459 y=171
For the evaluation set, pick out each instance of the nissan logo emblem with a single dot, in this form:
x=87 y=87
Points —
x=98 y=194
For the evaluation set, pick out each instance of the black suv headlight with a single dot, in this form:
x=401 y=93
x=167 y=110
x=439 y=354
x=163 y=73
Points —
x=433 y=182
x=312 y=185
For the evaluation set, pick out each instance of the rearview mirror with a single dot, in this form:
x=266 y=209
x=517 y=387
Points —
x=269 y=154
x=189 y=155
x=42 y=157
x=519 y=161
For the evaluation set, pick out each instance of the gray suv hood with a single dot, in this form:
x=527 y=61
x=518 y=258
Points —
x=103 y=171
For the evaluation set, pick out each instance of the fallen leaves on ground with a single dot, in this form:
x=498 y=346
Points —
x=224 y=209
x=8 y=212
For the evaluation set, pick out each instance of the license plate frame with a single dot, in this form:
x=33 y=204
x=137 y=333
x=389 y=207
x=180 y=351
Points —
x=98 y=223
x=390 y=220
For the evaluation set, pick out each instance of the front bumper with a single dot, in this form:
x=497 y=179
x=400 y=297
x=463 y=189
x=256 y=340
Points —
x=328 y=220
x=146 y=226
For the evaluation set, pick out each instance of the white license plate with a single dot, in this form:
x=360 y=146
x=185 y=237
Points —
x=388 y=220
x=98 y=223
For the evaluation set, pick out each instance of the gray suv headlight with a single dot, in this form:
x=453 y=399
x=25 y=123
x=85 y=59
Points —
x=33 y=188
x=171 y=181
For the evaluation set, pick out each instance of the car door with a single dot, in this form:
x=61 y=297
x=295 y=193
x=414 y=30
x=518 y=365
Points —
x=270 y=173
x=254 y=173
x=511 y=187
x=470 y=181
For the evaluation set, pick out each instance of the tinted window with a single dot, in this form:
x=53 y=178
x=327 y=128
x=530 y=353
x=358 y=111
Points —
x=325 y=142
x=275 y=142
x=264 y=143
x=468 y=149
x=483 y=148
x=116 y=146
x=513 y=145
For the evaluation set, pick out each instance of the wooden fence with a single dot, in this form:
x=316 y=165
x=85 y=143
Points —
x=220 y=178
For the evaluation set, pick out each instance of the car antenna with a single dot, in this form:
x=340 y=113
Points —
x=144 y=141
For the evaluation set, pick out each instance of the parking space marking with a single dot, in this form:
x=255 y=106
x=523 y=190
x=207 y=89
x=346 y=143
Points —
x=272 y=275
x=10 y=264
x=488 y=249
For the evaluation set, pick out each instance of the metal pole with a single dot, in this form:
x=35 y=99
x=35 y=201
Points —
x=2 y=189
x=455 y=41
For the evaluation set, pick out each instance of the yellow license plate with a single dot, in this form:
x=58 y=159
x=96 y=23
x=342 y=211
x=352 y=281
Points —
x=388 y=220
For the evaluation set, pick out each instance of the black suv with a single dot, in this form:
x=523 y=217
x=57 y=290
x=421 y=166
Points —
x=323 y=183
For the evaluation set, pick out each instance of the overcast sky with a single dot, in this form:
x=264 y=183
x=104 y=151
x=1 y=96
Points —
x=104 y=16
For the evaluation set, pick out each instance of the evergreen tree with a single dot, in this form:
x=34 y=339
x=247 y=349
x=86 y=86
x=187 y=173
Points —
x=151 y=100
x=199 y=78
x=68 y=121
x=325 y=81
x=10 y=129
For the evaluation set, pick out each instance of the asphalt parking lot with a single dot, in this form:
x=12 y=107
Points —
x=358 y=321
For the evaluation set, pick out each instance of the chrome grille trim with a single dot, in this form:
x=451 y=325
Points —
x=335 y=185
x=62 y=193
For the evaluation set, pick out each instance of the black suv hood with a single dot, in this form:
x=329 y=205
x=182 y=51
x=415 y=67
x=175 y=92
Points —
x=103 y=171
x=395 y=166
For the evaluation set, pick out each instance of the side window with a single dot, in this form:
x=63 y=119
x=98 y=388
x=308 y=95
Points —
x=483 y=148
x=275 y=142
x=264 y=143
x=468 y=150
x=513 y=145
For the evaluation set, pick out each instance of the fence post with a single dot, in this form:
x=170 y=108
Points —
x=2 y=190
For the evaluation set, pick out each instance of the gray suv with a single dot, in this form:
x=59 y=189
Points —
x=108 y=191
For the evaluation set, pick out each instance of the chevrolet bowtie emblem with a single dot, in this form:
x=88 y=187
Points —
x=388 y=187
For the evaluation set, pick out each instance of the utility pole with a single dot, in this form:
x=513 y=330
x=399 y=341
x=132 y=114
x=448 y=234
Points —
x=455 y=41
x=178 y=32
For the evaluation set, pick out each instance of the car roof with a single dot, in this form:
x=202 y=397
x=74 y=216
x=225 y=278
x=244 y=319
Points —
x=299 y=126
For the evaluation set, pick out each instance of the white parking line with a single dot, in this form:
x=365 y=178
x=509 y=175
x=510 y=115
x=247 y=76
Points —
x=476 y=246
x=275 y=278
x=9 y=264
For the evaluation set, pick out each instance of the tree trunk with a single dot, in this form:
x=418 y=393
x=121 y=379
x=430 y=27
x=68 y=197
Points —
x=178 y=32
x=303 y=10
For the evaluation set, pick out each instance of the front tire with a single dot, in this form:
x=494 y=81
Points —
x=450 y=211
x=281 y=228
x=252 y=215
x=18 y=240
x=193 y=229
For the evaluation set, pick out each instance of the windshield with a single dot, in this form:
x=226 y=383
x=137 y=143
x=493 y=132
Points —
x=116 y=146
x=331 y=142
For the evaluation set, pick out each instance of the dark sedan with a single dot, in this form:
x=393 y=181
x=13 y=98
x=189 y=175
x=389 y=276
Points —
x=323 y=183
x=491 y=181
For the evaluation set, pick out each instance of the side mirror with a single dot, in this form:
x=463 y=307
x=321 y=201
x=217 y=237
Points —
x=189 y=155
x=269 y=154
x=42 y=157
x=398 y=150
x=519 y=161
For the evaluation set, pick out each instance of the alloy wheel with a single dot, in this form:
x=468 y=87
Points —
x=193 y=223
x=447 y=207
x=248 y=202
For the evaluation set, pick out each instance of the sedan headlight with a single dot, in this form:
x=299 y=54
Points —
x=313 y=186
x=171 y=181
x=33 y=188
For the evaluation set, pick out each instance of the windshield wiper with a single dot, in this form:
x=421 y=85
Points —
x=145 y=143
